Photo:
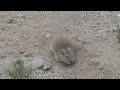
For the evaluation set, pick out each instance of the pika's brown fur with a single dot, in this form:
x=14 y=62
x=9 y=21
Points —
x=63 y=49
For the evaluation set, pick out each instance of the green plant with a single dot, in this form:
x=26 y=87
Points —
x=19 y=71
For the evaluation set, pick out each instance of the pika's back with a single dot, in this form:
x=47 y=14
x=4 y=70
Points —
x=60 y=42
x=63 y=49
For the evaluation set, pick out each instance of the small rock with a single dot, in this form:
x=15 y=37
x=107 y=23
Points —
x=11 y=21
x=79 y=38
x=47 y=66
x=2 y=28
x=118 y=47
x=93 y=26
x=2 y=56
x=85 y=30
x=68 y=30
x=98 y=35
x=101 y=68
x=48 y=36
x=21 y=16
x=78 y=23
x=118 y=15
x=21 y=52
x=29 y=55
x=38 y=63
x=114 y=28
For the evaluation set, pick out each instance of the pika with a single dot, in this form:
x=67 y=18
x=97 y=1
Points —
x=63 y=50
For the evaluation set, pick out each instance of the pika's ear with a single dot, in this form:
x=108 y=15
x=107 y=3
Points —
x=62 y=51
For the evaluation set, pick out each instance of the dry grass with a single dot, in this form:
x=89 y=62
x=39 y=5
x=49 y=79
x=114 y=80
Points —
x=113 y=69
x=19 y=71
x=117 y=31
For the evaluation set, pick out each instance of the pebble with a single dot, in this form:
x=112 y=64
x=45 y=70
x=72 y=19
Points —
x=29 y=55
x=98 y=35
x=38 y=63
x=2 y=56
x=48 y=36
x=2 y=28
x=118 y=15
x=114 y=28
x=47 y=66
x=68 y=30
x=79 y=38
x=21 y=52
x=85 y=30
x=11 y=21
x=118 y=47
x=21 y=16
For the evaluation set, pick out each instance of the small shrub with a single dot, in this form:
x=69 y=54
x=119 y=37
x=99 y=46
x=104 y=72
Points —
x=19 y=71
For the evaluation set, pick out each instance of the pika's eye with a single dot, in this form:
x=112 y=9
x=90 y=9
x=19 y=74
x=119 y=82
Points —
x=62 y=53
x=67 y=57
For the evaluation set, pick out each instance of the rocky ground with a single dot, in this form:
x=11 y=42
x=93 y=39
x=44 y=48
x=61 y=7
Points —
x=27 y=35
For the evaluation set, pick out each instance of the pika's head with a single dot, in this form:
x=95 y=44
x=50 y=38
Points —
x=67 y=56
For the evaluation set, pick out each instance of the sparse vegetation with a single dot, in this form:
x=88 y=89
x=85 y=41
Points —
x=19 y=71
x=118 y=32
x=113 y=69
x=117 y=72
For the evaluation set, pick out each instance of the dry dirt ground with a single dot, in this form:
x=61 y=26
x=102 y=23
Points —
x=25 y=35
